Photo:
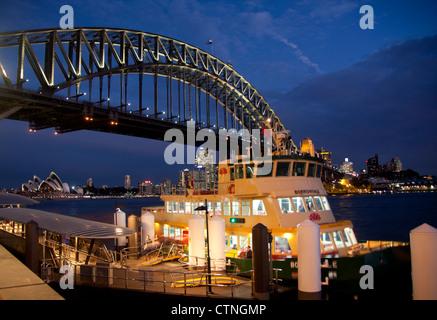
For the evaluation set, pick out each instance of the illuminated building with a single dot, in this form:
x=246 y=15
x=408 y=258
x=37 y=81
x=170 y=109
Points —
x=127 y=182
x=372 y=166
x=52 y=183
x=145 y=188
x=307 y=146
x=347 y=166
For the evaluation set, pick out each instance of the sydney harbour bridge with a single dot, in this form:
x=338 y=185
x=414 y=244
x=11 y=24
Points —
x=125 y=82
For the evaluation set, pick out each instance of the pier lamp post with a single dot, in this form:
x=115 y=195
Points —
x=208 y=260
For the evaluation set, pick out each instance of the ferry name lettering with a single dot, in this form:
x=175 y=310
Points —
x=306 y=191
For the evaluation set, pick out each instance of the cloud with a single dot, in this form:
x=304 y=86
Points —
x=388 y=99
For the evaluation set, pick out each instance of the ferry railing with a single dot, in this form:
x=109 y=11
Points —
x=148 y=280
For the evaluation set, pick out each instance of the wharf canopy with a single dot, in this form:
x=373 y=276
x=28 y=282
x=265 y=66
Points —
x=11 y=199
x=52 y=183
x=65 y=225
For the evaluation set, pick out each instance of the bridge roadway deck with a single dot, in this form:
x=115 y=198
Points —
x=17 y=282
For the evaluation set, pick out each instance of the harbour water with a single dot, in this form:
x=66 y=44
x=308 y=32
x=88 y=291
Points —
x=375 y=216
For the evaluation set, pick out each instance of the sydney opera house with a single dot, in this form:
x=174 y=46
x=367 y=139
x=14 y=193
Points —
x=52 y=183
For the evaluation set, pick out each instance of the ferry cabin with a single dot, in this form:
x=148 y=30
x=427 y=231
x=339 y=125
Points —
x=290 y=194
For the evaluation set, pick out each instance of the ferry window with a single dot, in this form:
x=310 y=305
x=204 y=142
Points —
x=249 y=170
x=239 y=172
x=318 y=203
x=168 y=206
x=232 y=173
x=258 y=208
x=177 y=233
x=165 y=230
x=210 y=207
x=349 y=237
x=175 y=207
x=325 y=203
x=282 y=245
x=226 y=208
x=218 y=208
x=311 y=170
x=283 y=169
x=181 y=207
x=235 y=208
x=285 y=205
x=245 y=208
x=261 y=165
x=233 y=244
x=243 y=243
x=187 y=207
x=319 y=171
x=326 y=241
x=299 y=169
x=171 y=232
x=298 y=204
x=310 y=203
x=337 y=239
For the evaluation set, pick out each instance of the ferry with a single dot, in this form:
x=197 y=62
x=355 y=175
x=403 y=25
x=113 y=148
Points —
x=292 y=193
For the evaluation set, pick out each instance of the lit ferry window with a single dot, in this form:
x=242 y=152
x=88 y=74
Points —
x=349 y=237
x=326 y=241
x=337 y=239
x=311 y=170
x=218 y=208
x=175 y=207
x=187 y=207
x=283 y=169
x=181 y=207
x=168 y=206
x=232 y=173
x=258 y=208
x=243 y=243
x=310 y=203
x=235 y=208
x=210 y=207
x=233 y=244
x=298 y=204
x=319 y=203
x=226 y=208
x=325 y=203
x=282 y=245
x=299 y=169
x=245 y=208
x=285 y=205
x=249 y=170
x=165 y=230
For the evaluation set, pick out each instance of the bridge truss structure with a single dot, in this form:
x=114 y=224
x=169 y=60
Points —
x=125 y=82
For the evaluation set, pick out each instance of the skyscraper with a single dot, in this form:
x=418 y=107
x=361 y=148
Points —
x=347 y=166
x=127 y=182
x=372 y=166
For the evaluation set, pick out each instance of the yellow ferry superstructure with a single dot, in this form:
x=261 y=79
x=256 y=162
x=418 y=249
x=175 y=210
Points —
x=292 y=193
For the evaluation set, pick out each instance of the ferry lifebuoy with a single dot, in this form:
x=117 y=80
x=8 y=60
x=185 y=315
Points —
x=231 y=188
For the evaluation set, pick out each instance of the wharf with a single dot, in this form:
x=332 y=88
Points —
x=17 y=282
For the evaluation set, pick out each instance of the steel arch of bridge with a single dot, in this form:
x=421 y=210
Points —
x=76 y=57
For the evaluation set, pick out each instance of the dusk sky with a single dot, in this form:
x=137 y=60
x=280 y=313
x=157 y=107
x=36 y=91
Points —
x=353 y=92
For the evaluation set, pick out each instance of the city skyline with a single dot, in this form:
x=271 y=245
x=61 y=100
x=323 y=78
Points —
x=354 y=92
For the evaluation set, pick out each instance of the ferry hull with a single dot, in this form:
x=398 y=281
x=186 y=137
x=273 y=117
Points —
x=391 y=269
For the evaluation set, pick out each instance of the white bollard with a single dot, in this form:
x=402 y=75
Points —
x=120 y=220
x=196 y=240
x=309 y=263
x=217 y=243
x=423 y=246
x=147 y=227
